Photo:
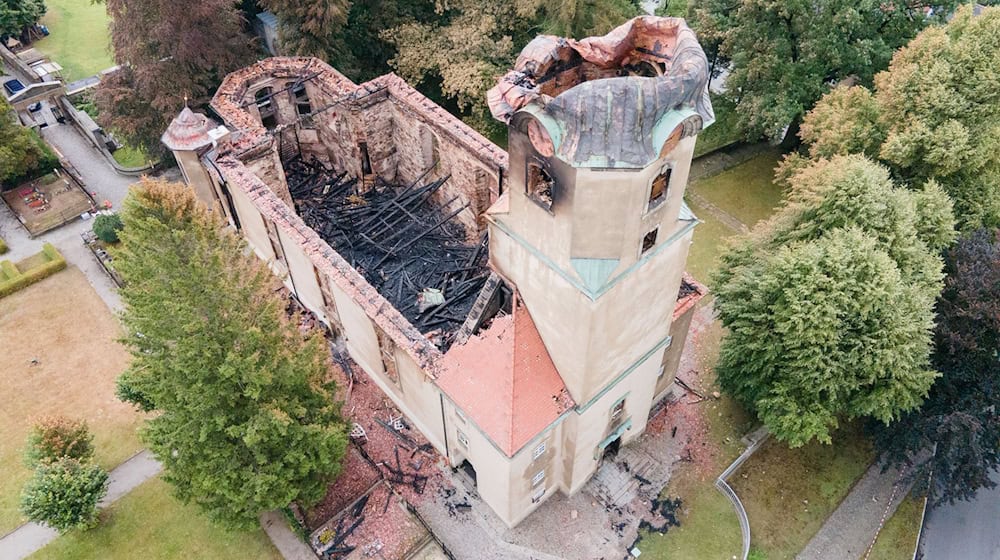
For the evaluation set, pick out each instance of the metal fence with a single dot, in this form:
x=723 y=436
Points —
x=727 y=491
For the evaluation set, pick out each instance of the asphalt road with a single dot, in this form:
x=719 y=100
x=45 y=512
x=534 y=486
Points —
x=966 y=530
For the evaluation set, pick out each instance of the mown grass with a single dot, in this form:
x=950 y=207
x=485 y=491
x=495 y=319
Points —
x=127 y=156
x=898 y=538
x=151 y=524
x=79 y=39
x=789 y=493
x=746 y=191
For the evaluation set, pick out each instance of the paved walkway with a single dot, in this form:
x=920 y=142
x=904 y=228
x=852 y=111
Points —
x=287 y=542
x=965 y=530
x=30 y=537
x=851 y=528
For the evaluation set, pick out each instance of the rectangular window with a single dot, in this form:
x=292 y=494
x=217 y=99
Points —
x=538 y=479
x=539 y=451
x=463 y=439
x=540 y=185
x=649 y=241
x=388 y=348
x=538 y=495
x=301 y=99
x=659 y=189
x=618 y=410
x=272 y=236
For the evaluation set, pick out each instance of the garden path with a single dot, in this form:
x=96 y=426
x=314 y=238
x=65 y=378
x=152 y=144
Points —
x=31 y=537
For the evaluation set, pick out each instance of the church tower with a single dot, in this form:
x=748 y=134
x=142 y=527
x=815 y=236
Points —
x=592 y=229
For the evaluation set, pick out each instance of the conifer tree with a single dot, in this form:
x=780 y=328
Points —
x=245 y=420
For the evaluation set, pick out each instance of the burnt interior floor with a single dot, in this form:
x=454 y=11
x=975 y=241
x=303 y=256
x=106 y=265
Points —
x=403 y=239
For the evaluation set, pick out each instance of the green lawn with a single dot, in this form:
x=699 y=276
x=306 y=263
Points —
x=151 y=524
x=708 y=242
x=128 y=156
x=79 y=39
x=788 y=493
x=898 y=538
x=746 y=191
x=709 y=528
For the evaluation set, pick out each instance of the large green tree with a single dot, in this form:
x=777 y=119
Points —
x=953 y=440
x=785 y=54
x=23 y=154
x=171 y=52
x=309 y=27
x=935 y=114
x=245 y=418
x=18 y=15
x=829 y=305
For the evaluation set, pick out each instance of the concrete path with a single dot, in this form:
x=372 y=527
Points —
x=287 y=542
x=964 y=530
x=30 y=537
x=851 y=528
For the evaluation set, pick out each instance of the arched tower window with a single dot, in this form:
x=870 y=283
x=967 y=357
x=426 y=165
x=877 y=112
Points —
x=659 y=190
x=265 y=106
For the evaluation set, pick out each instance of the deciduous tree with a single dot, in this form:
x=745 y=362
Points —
x=958 y=421
x=170 y=52
x=935 y=114
x=829 y=305
x=246 y=420
x=785 y=54
x=310 y=27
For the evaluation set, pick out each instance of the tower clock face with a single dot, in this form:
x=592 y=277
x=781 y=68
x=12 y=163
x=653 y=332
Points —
x=540 y=138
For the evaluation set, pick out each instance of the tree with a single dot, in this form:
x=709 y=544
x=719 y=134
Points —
x=786 y=53
x=64 y=494
x=245 y=419
x=474 y=41
x=18 y=15
x=311 y=27
x=829 y=305
x=23 y=154
x=958 y=421
x=170 y=53
x=55 y=438
x=934 y=114
x=107 y=226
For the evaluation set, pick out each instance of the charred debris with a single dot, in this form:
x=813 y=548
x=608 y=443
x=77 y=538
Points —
x=403 y=239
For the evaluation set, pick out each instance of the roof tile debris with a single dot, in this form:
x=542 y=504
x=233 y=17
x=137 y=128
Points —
x=508 y=366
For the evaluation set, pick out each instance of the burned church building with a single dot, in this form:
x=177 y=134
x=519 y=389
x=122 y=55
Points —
x=524 y=309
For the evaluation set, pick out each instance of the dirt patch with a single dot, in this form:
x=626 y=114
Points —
x=59 y=355
x=49 y=202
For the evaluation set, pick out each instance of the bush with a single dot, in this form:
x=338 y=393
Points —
x=64 y=494
x=3 y=246
x=107 y=226
x=17 y=280
x=55 y=438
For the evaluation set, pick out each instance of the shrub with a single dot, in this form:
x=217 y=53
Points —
x=55 y=437
x=64 y=494
x=107 y=226
x=3 y=246
x=17 y=280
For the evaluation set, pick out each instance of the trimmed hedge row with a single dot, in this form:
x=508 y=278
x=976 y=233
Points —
x=3 y=246
x=20 y=279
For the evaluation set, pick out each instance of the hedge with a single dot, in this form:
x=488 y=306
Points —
x=17 y=280
x=3 y=246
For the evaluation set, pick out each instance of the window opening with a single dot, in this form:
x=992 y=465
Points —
x=301 y=98
x=539 y=451
x=540 y=185
x=463 y=439
x=649 y=241
x=618 y=410
x=265 y=106
x=538 y=495
x=366 y=162
x=538 y=478
x=658 y=191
